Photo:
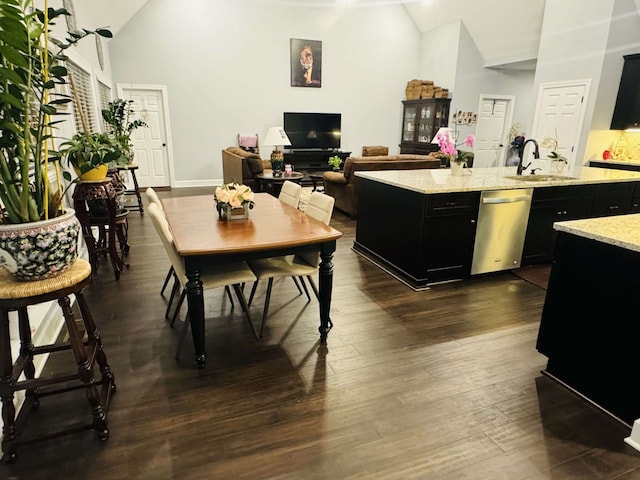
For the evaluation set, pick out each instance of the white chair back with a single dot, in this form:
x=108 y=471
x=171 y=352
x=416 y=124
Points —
x=320 y=207
x=162 y=227
x=290 y=193
x=152 y=196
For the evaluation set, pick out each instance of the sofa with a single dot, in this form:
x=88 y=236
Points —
x=242 y=166
x=343 y=186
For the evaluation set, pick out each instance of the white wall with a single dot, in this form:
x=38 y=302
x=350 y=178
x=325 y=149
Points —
x=438 y=54
x=449 y=56
x=226 y=68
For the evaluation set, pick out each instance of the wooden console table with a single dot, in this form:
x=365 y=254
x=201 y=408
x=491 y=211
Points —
x=308 y=161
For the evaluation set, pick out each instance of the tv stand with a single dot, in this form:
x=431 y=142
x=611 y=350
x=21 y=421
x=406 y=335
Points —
x=309 y=161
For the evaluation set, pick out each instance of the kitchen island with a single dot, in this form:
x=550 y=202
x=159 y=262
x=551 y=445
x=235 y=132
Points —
x=589 y=331
x=421 y=225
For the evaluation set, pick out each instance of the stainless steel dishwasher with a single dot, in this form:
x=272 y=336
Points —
x=502 y=225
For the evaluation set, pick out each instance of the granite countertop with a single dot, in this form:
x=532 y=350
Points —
x=479 y=179
x=620 y=230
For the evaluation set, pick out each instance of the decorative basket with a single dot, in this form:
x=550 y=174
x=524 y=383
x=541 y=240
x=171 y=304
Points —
x=227 y=213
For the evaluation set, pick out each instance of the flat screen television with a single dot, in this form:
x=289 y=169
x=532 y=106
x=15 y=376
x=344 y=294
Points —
x=313 y=131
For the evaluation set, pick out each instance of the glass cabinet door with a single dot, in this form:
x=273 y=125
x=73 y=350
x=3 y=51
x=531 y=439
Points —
x=409 y=123
x=425 y=131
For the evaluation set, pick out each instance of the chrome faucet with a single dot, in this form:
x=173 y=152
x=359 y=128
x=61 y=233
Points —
x=536 y=154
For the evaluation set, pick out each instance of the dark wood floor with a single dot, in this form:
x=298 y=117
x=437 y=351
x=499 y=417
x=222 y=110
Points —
x=440 y=384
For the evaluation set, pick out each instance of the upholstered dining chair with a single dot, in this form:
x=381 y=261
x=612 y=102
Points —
x=320 y=207
x=232 y=274
x=152 y=196
x=290 y=193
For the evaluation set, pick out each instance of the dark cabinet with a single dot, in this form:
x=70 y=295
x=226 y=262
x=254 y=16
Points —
x=420 y=239
x=558 y=204
x=613 y=199
x=421 y=120
x=626 y=113
x=635 y=201
x=588 y=328
x=449 y=235
x=550 y=205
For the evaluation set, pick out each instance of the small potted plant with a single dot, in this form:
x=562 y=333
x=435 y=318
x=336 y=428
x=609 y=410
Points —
x=457 y=158
x=335 y=162
x=118 y=117
x=89 y=154
x=558 y=161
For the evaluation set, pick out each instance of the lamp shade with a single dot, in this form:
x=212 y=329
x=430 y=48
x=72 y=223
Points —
x=275 y=137
x=441 y=131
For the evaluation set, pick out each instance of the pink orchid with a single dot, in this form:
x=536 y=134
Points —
x=468 y=140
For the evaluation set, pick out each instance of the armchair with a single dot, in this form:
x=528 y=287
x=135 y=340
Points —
x=242 y=166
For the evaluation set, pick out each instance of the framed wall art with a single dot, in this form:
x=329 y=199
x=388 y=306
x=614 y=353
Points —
x=306 y=63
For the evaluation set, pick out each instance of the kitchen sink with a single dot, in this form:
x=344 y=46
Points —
x=539 y=178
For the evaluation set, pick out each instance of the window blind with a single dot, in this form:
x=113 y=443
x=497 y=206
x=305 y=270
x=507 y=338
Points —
x=104 y=92
x=82 y=82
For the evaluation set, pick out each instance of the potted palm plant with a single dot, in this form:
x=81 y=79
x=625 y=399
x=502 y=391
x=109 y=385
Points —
x=34 y=225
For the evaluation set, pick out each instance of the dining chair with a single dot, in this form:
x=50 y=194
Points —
x=290 y=193
x=320 y=207
x=152 y=196
x=232 y=274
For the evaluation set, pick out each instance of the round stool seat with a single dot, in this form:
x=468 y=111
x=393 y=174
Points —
x=83 y=340
x=11 y=289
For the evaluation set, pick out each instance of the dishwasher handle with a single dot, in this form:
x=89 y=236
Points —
x=523 y=198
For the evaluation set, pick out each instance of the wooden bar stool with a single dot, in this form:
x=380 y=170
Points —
x=17 y=296
x=131 y=168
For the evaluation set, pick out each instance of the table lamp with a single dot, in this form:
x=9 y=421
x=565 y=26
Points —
x=441 y=131
x=276 y=137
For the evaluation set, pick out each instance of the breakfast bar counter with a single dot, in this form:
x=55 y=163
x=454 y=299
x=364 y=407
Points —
x=589 y=329
x=500 y=178
x=428 y=226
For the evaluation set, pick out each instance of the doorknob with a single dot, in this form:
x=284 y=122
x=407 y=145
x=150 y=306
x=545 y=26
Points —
x=164 y=144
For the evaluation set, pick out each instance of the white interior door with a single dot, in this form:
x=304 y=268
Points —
x=495 y=114
x=150 y=145
x=560 y=111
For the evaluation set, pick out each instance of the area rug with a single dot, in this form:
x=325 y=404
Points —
x=536 y=274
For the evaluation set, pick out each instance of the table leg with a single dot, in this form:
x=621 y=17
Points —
x=195 y=300
x=325 y=287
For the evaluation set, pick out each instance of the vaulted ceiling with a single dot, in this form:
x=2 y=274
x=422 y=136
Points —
x=505 y=31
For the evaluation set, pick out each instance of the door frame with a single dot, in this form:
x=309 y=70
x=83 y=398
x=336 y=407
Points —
x=508 y=120
x=167 y=124
x=586 y=83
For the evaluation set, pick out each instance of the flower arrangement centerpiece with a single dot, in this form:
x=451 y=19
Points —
x=335 y=162
x=233 y=201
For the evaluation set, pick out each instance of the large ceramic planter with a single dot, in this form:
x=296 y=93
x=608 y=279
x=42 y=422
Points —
x=38 y=250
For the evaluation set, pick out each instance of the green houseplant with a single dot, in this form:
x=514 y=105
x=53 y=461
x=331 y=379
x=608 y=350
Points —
x=86 y=152
x=31 y=73
x=117 y=116
x=335 y=162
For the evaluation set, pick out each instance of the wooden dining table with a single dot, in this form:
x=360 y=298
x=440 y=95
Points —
x=272 y=229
